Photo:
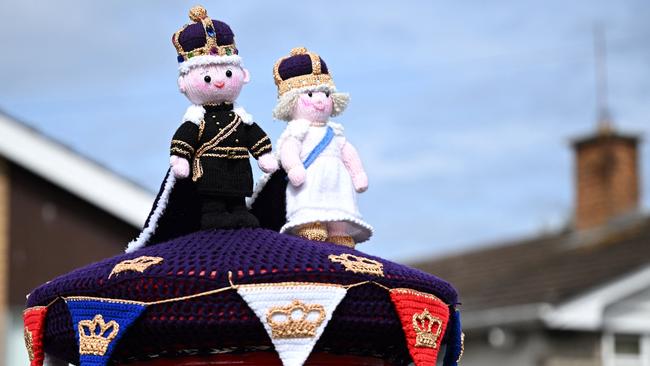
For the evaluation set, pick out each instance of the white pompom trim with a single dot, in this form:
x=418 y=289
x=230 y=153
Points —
x=203 y=60
x=150 y=229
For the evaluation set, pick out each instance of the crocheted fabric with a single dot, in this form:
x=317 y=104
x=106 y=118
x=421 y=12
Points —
x=364 y=323
x=299 y=65
x=291 y=337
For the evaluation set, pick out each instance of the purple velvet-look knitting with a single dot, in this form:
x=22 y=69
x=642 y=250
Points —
x=364 y=323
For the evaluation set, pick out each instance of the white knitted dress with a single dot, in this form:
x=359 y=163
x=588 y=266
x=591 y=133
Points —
x=327 y=195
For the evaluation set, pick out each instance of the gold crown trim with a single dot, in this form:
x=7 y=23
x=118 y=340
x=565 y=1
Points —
x=93 y=342
x=139 y=264
x=417 y=293
x=462 y=347
x=29 y=344
x=424 y=336
x=314 y=79
x=292 y=327
x=358 y=264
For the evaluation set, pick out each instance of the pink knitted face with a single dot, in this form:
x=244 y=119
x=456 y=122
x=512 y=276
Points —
x=313 y=106
x=213 y=83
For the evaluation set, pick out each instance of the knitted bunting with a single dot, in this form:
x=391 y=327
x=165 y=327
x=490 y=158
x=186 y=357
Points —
x=424 y=319
x=293 y=314
x=34 y=320
x=99 y=325
x=455 y=341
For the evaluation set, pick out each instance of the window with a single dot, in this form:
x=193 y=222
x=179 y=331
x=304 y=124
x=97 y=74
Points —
x=626 y=350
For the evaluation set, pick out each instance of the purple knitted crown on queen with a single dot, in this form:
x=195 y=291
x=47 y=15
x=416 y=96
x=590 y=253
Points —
x=301 y=69
x=206 y=41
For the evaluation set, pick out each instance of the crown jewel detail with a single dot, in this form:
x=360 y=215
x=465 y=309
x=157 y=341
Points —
x=198 y=14
x=94 y=338
x=29 y=344
x=358 y=264
x=422 y=324
x=293 y=320
x=139 y=264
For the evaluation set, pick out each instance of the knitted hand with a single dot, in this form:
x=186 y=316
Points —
x=180 y=167
x=297 y=175
x=268 y=163
x=360 y=182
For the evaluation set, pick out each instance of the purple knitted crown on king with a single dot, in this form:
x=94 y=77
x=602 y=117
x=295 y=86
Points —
x=204 y=41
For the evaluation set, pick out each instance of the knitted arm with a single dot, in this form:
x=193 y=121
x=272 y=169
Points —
x=259 y=145
x=354 y=166
x=185 y=141
x=183 y=146
x=258 y=142
x=290 y=159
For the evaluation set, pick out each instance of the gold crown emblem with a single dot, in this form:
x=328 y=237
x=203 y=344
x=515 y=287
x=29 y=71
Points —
x=422 y=324
x=358 y=264
x=139 y=264
x=93 y=337
x=29 y=344
x=296 y=320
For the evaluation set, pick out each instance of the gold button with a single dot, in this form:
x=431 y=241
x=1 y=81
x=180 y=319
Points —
x=218 y=123
x=236 y=140
x=214 y=116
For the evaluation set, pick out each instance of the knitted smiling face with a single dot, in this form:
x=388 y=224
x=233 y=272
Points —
x=213 y=84
x=305 y=88
x=313 y=106
x=210 y=67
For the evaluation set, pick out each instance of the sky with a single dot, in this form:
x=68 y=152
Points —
x=463 y=112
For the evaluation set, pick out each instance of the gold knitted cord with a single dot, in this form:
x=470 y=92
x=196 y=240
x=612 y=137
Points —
x=344 y=240
x=315 y=231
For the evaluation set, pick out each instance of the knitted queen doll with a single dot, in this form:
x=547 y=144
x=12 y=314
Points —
x=324 y=170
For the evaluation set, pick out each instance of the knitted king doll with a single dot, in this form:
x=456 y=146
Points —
x=210 y=173
x=324 y=171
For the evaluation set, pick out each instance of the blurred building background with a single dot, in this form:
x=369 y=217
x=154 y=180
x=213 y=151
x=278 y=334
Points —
x=461 y=112
x=578 y=296
x=58 y=211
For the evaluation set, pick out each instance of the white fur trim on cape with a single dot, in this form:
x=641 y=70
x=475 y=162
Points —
x=195 y=113
x=185 y=66
x=246 y=117
x=284 y=108
x=150 y=229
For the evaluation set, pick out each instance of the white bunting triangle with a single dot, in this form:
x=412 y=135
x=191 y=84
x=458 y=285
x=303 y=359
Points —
x=294 y=314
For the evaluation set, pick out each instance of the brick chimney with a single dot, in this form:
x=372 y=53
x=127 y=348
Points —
x=606 y=177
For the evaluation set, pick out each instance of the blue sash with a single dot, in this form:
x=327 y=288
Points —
x=329 y=135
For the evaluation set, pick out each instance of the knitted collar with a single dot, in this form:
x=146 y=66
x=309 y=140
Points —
x=225 y=106
x=195 y=113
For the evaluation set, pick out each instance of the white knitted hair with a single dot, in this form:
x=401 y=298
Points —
x=287 y=102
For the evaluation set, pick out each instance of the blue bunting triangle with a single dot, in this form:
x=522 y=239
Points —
x=99 y=325
x=455 y=340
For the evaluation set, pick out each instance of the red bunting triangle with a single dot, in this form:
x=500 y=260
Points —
x=34 y=320
x=424 y=319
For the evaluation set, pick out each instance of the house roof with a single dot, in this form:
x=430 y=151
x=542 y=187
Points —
x=549 y=269
x=71 y=171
